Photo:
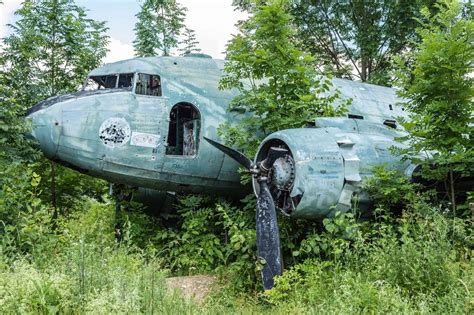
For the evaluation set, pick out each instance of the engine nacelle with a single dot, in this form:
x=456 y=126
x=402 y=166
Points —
x=326 y=164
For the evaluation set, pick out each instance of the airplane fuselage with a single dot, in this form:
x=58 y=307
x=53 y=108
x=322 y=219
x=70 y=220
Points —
x=74 y=129
x=144 y=126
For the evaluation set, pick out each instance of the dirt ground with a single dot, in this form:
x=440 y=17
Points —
x=192 y=287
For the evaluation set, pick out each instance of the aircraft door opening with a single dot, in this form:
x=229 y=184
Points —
x=183 y=133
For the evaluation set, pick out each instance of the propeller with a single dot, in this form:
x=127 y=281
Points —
x=268 y=235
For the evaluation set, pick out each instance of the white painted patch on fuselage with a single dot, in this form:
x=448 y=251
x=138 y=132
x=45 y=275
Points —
x=143 y=139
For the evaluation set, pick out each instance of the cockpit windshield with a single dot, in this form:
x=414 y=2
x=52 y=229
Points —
x=146 y=84
x=111 y=81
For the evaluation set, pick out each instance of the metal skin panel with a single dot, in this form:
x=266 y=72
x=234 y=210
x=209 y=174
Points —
x=375 y=103
x=120 y=136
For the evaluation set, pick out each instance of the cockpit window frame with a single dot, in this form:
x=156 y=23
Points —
x=117 y=80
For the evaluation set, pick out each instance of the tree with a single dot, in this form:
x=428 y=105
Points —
x=278 y=84
x=244 y=5
x=160 y=24
x=189 y=43
x=356 y=39
x=13 y=145
x=52 y=48
x=436 y=79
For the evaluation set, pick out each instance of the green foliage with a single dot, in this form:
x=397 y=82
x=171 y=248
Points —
x=219 y=234
x=420 y=262
x=24 y=219
x=50 y=50
x=189 y=43
x=389 y=189
x=279 y=88
x=13 y=144
x=330 y=243
x=159 y=27
x=409 y=264
x=357 y=39
x=87 y=273
x=70 y=187
x=436 y=80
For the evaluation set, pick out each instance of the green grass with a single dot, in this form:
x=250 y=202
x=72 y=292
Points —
x=418 y=263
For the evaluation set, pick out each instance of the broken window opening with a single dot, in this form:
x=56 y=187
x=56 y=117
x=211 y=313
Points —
x=125 y=81
x=183 y=132
x=148 y=84
x=112 y=81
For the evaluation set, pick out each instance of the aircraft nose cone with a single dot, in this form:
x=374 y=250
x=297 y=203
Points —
x=45 y=128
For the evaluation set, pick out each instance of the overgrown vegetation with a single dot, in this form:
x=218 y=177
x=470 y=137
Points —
x=419 y=262
x=436 y=79
x=414 y=255
x=160 y=29
x=278 y=85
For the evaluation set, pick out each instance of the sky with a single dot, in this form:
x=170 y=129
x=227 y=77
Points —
x=212 y=20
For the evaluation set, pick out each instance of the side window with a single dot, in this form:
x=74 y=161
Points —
x=148 y=84
x=125 y=81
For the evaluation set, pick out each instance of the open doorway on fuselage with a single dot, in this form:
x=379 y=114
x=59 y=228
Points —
x=183 y=132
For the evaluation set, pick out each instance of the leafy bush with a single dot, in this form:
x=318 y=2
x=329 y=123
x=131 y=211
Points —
x=210 y=235
x=24 y=220
x=86 y=271
x=418 y=261
x=410 y=268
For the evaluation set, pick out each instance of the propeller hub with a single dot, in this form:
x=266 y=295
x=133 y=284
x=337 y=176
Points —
x=282 y=174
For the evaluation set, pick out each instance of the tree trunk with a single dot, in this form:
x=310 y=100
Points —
x=363 y=71
x=453 y=197
x=53 y=190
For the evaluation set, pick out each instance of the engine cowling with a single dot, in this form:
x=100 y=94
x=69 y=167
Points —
x=326 y=165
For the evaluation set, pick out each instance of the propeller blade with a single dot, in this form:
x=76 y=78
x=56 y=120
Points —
x=268 y=236
x=234 y=154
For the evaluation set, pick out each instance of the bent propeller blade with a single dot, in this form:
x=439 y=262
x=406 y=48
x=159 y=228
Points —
x=268 y=236
x=234 y=154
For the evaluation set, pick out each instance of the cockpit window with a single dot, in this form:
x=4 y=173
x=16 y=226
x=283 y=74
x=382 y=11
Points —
x=125 y=81
x=148 y=84
x=106 y=81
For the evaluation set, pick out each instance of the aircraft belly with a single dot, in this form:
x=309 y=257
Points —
x=83 y=161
